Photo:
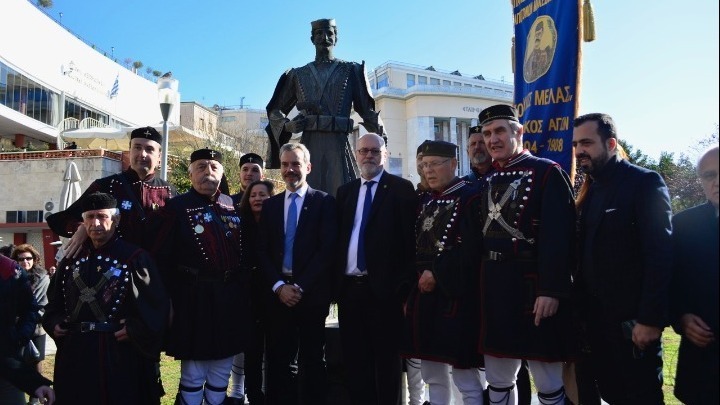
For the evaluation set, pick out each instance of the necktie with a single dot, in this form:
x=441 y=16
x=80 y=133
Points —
x=290 y=228
x=361 y=235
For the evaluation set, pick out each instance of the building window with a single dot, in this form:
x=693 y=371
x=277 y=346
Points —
x=372 y=83
x=434 y=81
x=422 y=79
x=447 y=82
x=437 y=129
x=395 y=166
x=457 y=84
x=382 y=81
x=410 y=80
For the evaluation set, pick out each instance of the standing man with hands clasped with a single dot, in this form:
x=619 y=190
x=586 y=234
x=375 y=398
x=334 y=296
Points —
x=527 y=220
x=625 y=265
x=298 y=230
x=374 y=272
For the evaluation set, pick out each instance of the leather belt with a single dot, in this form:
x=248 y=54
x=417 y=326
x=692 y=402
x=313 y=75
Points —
x=85 y=327
x=502 y=257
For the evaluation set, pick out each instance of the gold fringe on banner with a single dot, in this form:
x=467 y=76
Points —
x=588 y=22
x=512 y=55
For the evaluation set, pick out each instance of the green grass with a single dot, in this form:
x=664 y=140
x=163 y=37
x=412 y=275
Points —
x=170 y=370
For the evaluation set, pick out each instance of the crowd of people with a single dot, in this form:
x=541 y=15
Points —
x=469 y=281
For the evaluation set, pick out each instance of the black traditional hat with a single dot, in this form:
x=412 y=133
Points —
x=98 y=201
x=498 y=111
x=146 y=133
x=420 y=148
x=251 y=158
x=477 y=129
x=439 y=148
x=206 y=154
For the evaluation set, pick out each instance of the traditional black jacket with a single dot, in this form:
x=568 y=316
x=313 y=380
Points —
x=200 y=258
x=138 y=200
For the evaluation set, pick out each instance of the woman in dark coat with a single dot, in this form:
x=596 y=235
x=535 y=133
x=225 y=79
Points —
x=250 y=208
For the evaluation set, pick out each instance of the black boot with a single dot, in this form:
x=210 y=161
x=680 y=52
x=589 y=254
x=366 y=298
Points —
x=234 y=401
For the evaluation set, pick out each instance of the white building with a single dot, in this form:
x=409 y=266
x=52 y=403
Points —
x=423 y=103
x=43 y=82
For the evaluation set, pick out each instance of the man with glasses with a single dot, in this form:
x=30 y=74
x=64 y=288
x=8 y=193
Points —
x=694 y=291
x=441 y=310
x=374 y=271
x=527 y=219
x=625 y=265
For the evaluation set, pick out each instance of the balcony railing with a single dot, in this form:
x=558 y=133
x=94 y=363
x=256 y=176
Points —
x=60 y=154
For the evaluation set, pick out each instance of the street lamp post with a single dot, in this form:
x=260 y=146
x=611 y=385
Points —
x=167 y=94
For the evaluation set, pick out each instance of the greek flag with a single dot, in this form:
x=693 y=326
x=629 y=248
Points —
x=115 y=87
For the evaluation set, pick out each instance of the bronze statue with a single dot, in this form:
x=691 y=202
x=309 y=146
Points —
x=324 y=91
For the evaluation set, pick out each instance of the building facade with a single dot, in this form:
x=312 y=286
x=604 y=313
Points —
x=423 y=103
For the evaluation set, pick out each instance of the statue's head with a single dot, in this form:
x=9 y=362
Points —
x=323 y=33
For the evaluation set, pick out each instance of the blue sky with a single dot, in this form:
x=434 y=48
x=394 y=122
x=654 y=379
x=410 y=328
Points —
x=653 y=67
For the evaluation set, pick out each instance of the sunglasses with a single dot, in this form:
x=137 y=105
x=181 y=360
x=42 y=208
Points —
x=25 y=259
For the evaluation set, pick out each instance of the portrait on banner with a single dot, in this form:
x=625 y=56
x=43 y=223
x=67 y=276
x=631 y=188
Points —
x=542 y=42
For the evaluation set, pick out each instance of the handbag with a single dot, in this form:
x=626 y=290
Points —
x=29 y=353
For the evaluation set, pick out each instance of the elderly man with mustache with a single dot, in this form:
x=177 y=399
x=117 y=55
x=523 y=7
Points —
x=209 y=289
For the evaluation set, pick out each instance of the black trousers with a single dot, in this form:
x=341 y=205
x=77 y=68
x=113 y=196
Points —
x=295 y=332
x=624 y=374
x=370 y=336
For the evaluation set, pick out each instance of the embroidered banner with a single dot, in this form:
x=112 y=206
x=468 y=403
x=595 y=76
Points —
x=547 y=53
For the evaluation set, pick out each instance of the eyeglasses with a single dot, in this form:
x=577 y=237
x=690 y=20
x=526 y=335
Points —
x=433 y=165
x=25 y=259
x=372 y=152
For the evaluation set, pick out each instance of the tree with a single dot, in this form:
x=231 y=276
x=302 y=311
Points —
x=680 y=175
x=127 y=62
x=45 y=3
x=137 y=65
x=148 y=71
x=156 y=74
x=233 y=142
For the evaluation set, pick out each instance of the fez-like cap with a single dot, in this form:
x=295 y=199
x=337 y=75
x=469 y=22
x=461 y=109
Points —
x=251 y=158
x=146 y=133
x=206 y=154
x=498 y=111
x=420 y=148
x=98 y=201
x=439 y=148
x=477 y=129
x=323 y=22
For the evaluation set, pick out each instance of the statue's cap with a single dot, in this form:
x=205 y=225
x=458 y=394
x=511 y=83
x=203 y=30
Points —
x=323 y=22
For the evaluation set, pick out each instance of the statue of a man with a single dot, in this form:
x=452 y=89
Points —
x=324 y=91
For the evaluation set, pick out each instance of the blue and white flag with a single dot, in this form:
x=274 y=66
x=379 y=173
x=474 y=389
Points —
x=115 y=87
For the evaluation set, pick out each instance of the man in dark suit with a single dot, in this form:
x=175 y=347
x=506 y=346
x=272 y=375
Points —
x=298 y=230
x=694 y=291
x=376 y=262
x=625 y=265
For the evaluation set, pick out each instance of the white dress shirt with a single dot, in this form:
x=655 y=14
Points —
x=351 y=268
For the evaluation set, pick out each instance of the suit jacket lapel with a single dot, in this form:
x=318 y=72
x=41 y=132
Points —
x=306 y=206
x=380 y=194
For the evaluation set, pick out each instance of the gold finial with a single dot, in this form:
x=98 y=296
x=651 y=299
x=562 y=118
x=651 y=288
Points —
x=588 y=22
x=512 y=55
